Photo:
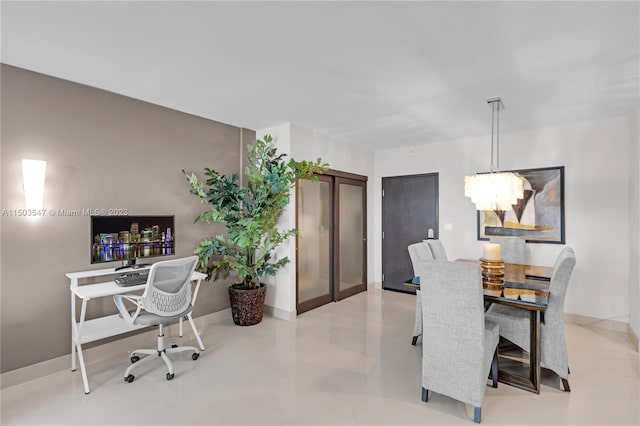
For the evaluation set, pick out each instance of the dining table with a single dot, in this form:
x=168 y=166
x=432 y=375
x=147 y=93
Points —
x=525 y=287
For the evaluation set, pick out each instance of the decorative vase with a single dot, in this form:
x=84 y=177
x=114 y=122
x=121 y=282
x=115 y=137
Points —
x=247 y=306
x=492 y=276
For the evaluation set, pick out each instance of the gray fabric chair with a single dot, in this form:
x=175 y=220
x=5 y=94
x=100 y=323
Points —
x=166 y=298
x=437 y=249
x=511 y=249
x=514 y=323
x=418 y=252
x=462 y=346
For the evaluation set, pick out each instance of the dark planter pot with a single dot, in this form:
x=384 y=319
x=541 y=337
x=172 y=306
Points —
x=247 y=306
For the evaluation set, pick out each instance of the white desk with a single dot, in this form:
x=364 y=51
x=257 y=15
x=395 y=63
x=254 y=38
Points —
x=85 y=331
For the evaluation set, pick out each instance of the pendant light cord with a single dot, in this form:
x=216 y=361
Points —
x=498 y=137
x=492 y=121
x=495 y=129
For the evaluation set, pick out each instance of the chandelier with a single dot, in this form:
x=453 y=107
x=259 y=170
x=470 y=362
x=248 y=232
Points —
x=495 y=190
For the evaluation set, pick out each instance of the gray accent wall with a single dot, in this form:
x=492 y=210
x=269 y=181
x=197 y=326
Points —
x=106 y=151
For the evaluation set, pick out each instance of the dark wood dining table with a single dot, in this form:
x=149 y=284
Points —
x=526 y=287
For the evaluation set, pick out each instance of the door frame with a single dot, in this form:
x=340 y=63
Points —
x=343 y=294
x=333 y=176
x=318 y=301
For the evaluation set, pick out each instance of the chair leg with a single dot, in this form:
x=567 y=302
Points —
x=565 y=385
x=425 y=394
x=494 y=369
x=476 y=414
x=176 y=349
x=167 y=361
x=140 y=362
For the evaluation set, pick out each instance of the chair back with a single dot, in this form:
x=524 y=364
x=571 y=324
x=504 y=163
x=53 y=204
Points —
x=168 y=290
x=437 y=249
x=511 y=248
x=558 y=287
x=419 y=252
x=453 y=326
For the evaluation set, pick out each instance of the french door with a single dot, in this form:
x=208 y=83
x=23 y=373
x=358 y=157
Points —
x=331 y=243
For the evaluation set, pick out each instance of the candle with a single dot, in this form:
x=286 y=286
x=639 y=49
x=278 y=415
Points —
x=491 y=251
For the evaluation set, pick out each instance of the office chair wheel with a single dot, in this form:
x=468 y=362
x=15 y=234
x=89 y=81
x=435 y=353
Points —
x=195 y=356
x=129 y=378
x=135 y=359
x=173 y=345
x=170 y=376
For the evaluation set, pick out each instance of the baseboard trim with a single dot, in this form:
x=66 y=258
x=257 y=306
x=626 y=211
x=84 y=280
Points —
x=634 y=338
x=604 y=324
x=61 y=363
x=279 y=313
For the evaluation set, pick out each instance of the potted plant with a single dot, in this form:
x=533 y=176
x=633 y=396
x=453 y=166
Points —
x=250 y=214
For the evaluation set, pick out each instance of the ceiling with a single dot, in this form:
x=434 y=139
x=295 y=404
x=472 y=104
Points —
x=376 y=74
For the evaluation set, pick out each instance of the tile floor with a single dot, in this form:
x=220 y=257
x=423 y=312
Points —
x=347 y=363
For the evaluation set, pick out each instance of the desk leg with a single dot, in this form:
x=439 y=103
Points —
x=83 y=369
x=77 y=329
x=195 y=331
x=190 y=318
x=534 y=350
x=73 y=332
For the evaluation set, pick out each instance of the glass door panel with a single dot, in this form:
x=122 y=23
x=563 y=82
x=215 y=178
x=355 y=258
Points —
x=351 y=272
x=315 y=241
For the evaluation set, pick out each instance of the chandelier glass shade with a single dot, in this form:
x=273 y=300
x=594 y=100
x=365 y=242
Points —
x=494 y=190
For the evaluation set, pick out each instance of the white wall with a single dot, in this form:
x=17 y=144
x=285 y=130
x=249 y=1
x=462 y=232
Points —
x=634 y=224
x=281 y=288
x=596 y=202
x=309 y=145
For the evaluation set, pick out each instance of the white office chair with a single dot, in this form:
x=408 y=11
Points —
x=166 y=298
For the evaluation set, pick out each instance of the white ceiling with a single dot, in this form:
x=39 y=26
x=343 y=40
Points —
x=378 y=74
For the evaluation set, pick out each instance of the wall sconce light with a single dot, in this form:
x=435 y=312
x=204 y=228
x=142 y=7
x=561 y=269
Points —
x=33 y=173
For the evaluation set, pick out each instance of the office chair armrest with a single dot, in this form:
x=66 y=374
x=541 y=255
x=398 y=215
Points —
x=124 y=312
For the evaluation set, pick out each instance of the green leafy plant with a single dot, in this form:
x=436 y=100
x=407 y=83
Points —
x=249 y=212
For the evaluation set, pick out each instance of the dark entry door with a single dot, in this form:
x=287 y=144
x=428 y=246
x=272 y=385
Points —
x=409 y=210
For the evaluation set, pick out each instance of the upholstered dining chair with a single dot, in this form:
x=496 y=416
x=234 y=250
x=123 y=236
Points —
x=511 y=249
x=462 y=345
x=514 y=323
x=437 y=249
x=418 y=252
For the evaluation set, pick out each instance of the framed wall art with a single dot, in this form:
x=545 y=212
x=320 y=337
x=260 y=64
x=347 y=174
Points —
x=539 y=215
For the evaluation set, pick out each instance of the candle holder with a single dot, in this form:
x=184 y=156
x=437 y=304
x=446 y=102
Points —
x=492 y=276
